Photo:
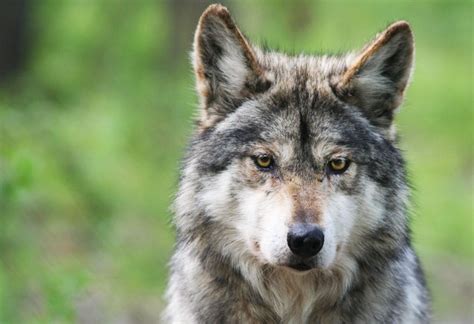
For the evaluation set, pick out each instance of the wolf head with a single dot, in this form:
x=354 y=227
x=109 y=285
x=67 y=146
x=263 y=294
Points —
x=294 y=162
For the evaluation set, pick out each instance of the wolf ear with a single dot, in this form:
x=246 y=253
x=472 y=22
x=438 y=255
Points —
x=376 y=79
x=225 y=65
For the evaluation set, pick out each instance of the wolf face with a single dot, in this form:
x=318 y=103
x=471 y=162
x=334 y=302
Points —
x=294 y=163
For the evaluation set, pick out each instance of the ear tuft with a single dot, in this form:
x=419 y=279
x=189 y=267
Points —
x=225 y=65
x=376 y=79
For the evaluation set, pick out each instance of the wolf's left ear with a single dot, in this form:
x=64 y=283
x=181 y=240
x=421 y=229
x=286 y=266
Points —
x=226 y=68
x=376 y=79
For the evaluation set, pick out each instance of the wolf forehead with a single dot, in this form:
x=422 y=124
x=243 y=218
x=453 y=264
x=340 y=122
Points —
x=299 y=108
x=302 y=72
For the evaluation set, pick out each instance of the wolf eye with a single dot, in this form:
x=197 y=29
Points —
x=264 y=161
x=339 y=165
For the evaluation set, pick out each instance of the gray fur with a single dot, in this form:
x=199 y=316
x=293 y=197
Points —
x=227 y=266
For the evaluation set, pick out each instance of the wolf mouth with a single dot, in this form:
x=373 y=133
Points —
x=300 y=267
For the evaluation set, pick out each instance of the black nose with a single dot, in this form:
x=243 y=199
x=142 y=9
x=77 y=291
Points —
x=305 y=240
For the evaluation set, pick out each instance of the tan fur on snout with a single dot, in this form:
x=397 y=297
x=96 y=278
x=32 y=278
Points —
x=307 y=198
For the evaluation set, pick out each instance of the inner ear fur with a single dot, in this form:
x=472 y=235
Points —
x=225 y=65
x=375 y=81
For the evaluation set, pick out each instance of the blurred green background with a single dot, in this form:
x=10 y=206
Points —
x=95 y=110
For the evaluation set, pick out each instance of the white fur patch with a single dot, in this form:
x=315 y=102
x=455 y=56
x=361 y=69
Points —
x=232 y=65
x=265 y=220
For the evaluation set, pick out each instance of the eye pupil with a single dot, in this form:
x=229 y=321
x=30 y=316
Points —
x=338 y=163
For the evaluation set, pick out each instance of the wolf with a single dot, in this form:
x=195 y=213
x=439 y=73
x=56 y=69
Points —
x=293 y=198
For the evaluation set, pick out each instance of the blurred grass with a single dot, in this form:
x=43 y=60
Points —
x=92 y=131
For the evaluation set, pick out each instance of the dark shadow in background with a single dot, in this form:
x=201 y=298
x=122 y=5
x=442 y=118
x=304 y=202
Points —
x=14 y=37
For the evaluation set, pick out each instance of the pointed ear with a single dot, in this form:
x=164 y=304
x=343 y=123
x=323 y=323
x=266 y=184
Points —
x=225 y=65
x=376 y=79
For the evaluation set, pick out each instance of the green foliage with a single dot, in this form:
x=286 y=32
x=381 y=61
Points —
x=92 y=131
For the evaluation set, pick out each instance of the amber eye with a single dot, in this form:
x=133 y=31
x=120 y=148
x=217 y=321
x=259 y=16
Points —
x=338 y=165
x=264 y=161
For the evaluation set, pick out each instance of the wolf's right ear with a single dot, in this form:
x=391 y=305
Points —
x=226 y=68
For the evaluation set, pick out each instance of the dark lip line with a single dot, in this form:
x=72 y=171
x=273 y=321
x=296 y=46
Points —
x=300 y=267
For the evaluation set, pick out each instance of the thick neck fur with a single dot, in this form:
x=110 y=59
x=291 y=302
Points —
x=297 y=297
